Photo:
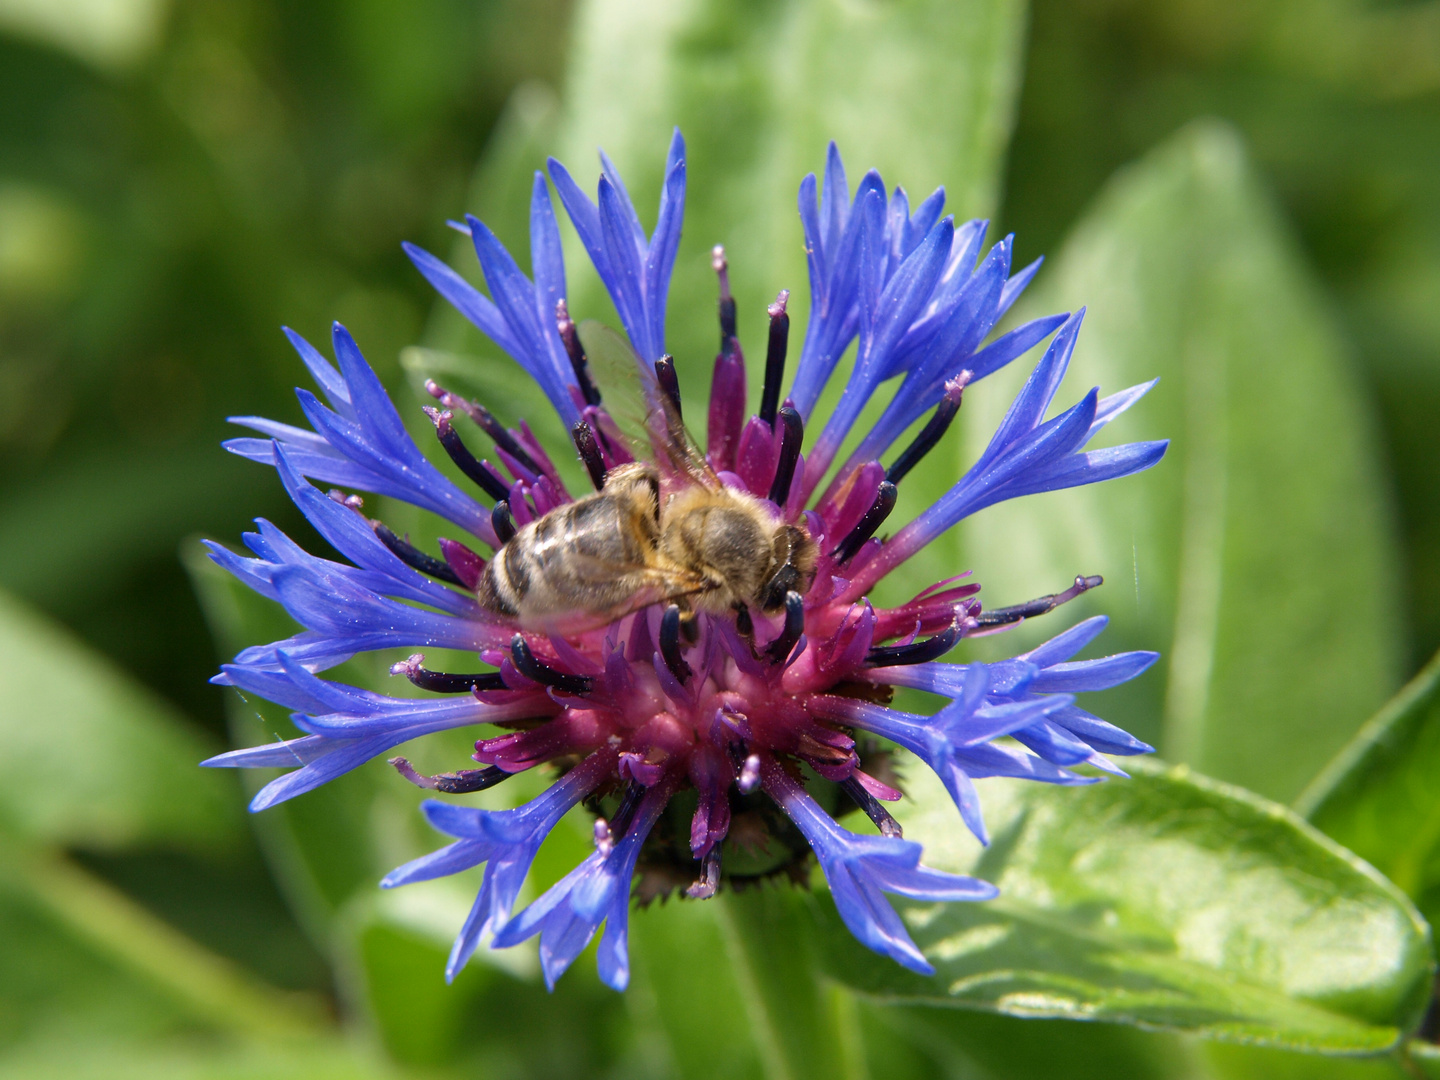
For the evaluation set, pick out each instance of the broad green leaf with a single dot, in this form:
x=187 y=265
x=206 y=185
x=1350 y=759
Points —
x=1379 y=796
x=1166 y=900
x=113 y=36
x=1258 y=557
x=1424 y=1058
x=968 y=1043
x=922 y=90
x=1223 y=1062
x=92 y=758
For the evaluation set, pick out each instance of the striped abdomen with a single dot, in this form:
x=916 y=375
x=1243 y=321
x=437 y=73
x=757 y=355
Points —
x=593 y=555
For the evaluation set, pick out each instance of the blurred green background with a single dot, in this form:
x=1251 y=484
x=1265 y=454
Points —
x=179 y=179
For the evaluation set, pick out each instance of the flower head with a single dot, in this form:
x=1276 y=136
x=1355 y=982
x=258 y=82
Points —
x=679 y=671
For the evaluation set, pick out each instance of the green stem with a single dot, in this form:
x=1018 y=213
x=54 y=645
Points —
x=209 y=987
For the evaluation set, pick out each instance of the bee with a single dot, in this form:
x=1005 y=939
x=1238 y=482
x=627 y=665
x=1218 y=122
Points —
x=682 y=536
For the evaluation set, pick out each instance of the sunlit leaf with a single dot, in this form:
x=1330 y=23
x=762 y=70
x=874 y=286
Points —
x=1258 y=556
x=1165 y=900
x=1379 y=796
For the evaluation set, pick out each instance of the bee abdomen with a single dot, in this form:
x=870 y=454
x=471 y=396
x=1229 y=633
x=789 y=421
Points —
x=494 y=591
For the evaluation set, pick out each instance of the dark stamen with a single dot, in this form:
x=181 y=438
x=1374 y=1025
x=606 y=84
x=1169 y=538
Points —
x=629 y=803
x=440 y=682
x=866 y=526
x=780 y=648
x=727 y=302
x=930 y=435
x=1039 y=606
x=527 y=664
x=454 y=783
x=414 y=558
x=709 y=881
x=873 y=808
x=589 y=453
x=576 y=352
x=670 y=644
x=775 y=356
x=503 y=522
x=792 y=435
x=491 y=484
x=917 y=652
x=669 y=383
x=485 y=420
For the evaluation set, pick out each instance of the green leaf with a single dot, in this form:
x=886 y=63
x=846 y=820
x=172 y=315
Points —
x=1258 y=557
x=1166 y=900
x=965 y=1043
x=179 y=1059
x=1222 y=1062
x=685 y=988
x=92 y=758
x=1424 y=1058
x=1378 y=796
x=922 y=90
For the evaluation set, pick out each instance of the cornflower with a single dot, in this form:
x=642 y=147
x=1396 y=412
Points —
x=753 y=725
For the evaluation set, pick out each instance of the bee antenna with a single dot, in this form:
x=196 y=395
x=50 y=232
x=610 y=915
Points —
x=780 y=649
x=917 y=652
x=791 y=437
x=478 y=471
x=670 y=644
x=775 y=350
x=932 y=432
x=669 y=381
x=865 y=528
x=503 y=522
x=584 y=437
x=570 y=338
x=528 y=665
x=1039 y=606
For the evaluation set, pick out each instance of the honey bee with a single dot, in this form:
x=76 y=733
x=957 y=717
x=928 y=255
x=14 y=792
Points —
x=681 y=536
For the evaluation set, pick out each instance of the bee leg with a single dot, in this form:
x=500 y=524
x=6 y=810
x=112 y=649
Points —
x=744 y=623
x=785 y=580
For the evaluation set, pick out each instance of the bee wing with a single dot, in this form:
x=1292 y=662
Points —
x=660 y=591
x=646 y=416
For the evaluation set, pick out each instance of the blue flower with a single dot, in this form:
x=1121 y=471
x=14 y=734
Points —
x=859 y=868
x=739 y=706
x=506 y=842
